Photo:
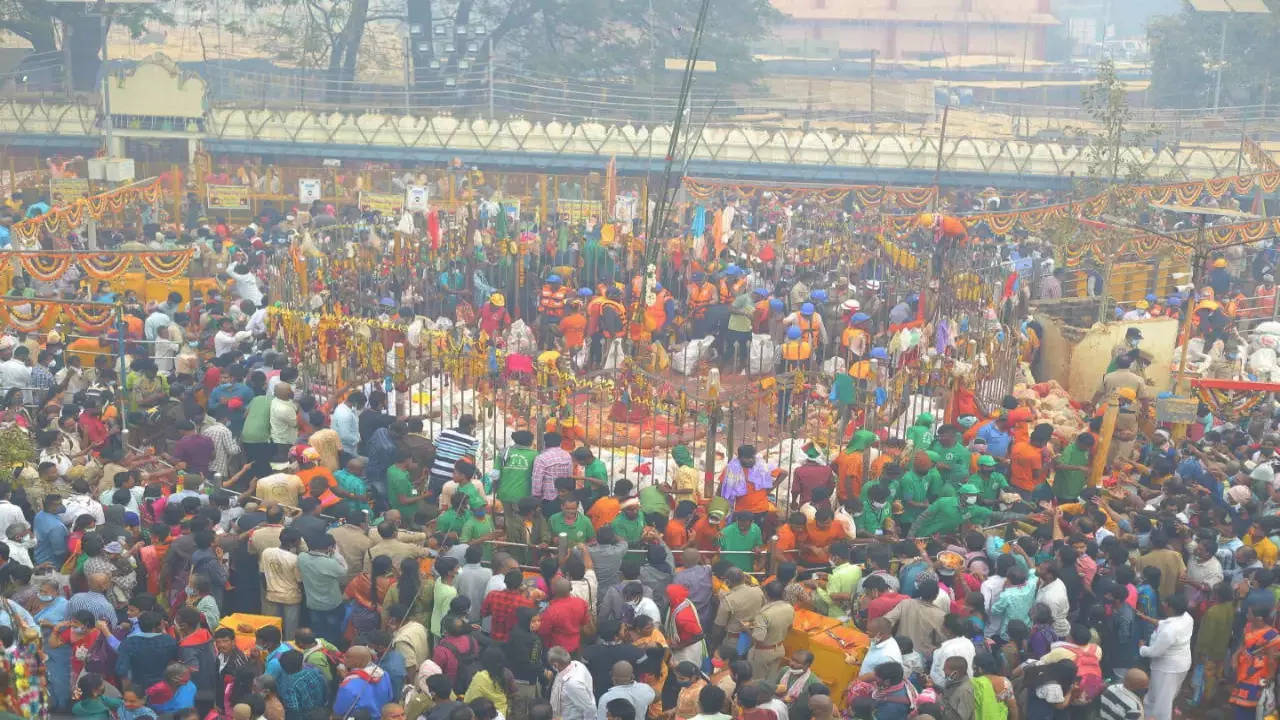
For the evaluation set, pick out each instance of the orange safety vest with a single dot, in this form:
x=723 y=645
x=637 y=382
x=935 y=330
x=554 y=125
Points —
x=849 y=335
x=796 y=350
x=809 y=327
x=552 y=301
x=593 y=313
x=729 y=292
x=700 y=298
x=655 y=315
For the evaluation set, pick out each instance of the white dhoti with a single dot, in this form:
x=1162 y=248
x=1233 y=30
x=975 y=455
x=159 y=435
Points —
x=1161 y=693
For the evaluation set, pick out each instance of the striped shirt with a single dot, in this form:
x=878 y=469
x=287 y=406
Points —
x=1118 y=703
x=224 y=446
x=451 y=445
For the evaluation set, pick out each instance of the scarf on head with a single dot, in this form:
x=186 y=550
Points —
x=682 y=456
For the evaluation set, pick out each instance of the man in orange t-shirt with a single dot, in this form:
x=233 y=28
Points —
x=849 y=465
x=706 y=531
x=790 y=537
x=1026 y=459
x=822 y=531
x=573 y=327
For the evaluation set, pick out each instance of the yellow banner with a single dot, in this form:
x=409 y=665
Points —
x=576 y=211
x=64 y=191
x=228 y=197
x=387 y=204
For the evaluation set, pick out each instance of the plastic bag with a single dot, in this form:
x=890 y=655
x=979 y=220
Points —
x=520 y=339
x=1262 y=361
x=614 y=356
x=834 y=365
x=686 y=359
x=762 y=356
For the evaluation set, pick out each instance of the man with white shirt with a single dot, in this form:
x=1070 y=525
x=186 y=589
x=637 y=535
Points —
x=1053 y=593
x=640 y=695
x=245 y=283
x=80 y=502
x=883 y=648
x=957 y=644
x=9 y=513
x=1170 y=653
x=346 y=422
x=572 y=692
x=14 y=373
x=224 y=341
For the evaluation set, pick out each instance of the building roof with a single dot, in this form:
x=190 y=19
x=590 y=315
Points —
x=936 y=11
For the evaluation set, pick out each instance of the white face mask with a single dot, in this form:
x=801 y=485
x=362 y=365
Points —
x=971 y=499
x=877 y=505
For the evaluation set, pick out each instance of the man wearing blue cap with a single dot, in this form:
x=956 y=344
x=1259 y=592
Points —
x=810 y=323
x=733 y=284
x=855 y=340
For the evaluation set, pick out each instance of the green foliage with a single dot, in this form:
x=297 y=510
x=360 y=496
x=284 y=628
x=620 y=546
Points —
x=629 y=39
x=16 y=447
x=1185 y=57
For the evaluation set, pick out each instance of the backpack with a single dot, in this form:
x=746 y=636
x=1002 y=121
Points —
x=468 y=662
x=333 y=656
x=99 y=657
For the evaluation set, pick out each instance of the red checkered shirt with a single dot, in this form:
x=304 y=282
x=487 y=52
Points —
x=501 y=606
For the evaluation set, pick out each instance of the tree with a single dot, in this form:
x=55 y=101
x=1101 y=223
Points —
x=50 y=27
x=1107 y=105
x=614 y=40
x=1186 y=50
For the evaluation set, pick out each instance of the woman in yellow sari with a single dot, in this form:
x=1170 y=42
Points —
x=653 y=669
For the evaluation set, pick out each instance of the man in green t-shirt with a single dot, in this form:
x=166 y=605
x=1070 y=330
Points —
x=628 y=524
x=1071 y=471
x=515 y=475
x=953 y=456
x=401 y=494
x=913 y=487
x=571 y=522
x=743 y=536
x=989 y=482
x=479 y=528
x=920 y=434
x=594 y=472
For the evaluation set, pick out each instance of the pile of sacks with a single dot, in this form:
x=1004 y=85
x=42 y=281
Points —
x=1052 y=404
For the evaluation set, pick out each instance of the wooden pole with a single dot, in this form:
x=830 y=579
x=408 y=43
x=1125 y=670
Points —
x=1104 y=442
x=1180 y=379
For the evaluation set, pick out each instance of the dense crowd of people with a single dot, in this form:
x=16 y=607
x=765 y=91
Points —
x=249 y=550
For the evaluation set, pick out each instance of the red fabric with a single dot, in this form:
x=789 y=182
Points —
x=433 y=229
x=883 y=604
x=501 y=606
x=562 y=623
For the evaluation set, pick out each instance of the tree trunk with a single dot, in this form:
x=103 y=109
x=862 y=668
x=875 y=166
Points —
x=84 y=40
x=353 y=33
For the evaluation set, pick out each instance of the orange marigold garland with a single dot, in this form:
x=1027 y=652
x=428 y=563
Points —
x=30 y=320
x=45 y=267
x=166 y=265
x=103 y=266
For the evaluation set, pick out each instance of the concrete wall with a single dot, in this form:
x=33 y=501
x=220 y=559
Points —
x=1092 y=354
x=1057 y=347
